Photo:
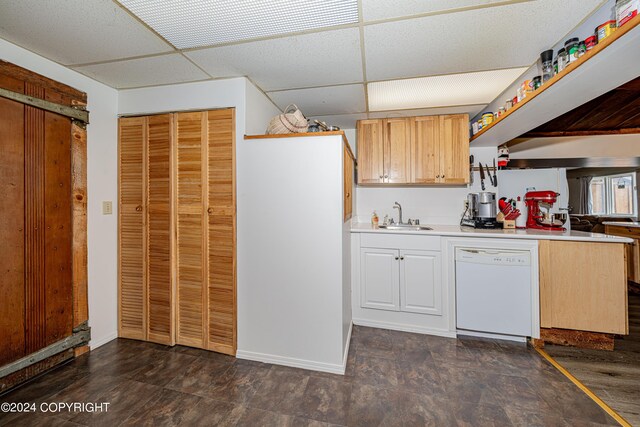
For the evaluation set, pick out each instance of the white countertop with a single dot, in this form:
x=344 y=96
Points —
x=459 y=231
x=623 y=224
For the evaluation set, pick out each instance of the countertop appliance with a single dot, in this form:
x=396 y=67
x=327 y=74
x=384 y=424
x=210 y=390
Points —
x=481 y=211
x=493 y=291
x=539 y=204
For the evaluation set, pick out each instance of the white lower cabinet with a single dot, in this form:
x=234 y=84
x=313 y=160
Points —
x=420 y=282
x=401 y=280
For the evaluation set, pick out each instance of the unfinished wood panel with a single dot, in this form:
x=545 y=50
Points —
x=583 y=286
x=191 y=250
x=425 y=149
x=58 y=285
x=159 y=229
x=12 y=227
x=454 y=149
x=397 y=151
x=221 y=211
x=348 y=168
x=132 y=295
x=79 y=244
x=370 y=148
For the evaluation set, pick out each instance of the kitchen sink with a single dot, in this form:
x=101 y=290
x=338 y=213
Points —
x=405 y=227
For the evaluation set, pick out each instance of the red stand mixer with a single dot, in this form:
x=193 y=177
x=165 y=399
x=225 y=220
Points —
x=537 y=219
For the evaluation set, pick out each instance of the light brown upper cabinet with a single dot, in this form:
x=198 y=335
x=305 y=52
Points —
x=427 y=150
x=177 y=263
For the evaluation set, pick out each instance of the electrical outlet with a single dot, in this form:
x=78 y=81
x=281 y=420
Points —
x=107 y=207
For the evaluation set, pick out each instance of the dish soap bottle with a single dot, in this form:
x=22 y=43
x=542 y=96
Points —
x=374 y=219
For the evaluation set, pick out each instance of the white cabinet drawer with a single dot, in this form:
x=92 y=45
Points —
x=419 y=242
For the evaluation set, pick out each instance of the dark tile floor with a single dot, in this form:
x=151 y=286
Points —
x=392 y=378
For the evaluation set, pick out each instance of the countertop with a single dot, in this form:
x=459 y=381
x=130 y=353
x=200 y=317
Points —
x=623 y=224
x=459 y=231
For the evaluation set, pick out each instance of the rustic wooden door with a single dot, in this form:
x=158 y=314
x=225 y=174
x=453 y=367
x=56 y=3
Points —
x=42 y=222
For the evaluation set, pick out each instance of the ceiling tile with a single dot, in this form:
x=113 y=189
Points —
x=77 y=31
x=498 y=37
x=323 y=101
x=318 y=59
x=472 y=110
x=157 y=70
x=441 y=91
x=194 y=23
x=373 y=10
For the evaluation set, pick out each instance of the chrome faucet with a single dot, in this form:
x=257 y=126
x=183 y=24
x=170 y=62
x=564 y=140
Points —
x=399 y=207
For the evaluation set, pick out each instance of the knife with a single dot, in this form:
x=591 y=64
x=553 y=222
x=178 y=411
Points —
x=495 y=174
x=471 y=158
x=481 y=176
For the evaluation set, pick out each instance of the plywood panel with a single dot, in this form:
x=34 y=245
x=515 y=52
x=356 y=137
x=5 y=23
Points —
x=190 y=286
x=583 y=286
x=12 y=223
x=58 y=228
x=159 y=219
x=221 y=231
x=132 y=322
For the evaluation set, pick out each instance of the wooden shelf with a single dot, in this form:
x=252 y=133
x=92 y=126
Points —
x=305 y=134
x=611 y=63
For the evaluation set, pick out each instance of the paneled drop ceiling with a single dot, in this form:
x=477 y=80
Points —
x=338 y=60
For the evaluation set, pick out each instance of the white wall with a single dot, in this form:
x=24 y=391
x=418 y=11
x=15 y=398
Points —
x=102 y=182
x=260 y=110
x=431 y=205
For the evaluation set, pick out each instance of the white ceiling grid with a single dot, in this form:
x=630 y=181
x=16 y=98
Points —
x=329 y=57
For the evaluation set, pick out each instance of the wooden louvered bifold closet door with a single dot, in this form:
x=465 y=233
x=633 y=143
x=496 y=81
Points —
x=145 y=208
x=206 y=299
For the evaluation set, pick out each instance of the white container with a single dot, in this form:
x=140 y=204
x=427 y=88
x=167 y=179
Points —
x=521 y=221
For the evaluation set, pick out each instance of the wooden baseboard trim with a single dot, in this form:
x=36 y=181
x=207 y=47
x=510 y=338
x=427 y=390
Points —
x=580 y=339
x=608 y=409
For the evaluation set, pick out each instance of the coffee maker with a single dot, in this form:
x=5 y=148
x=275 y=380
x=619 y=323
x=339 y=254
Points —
x=481 y=211
x=536 y=202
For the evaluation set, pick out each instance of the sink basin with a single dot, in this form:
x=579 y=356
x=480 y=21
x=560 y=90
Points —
x=405 y=227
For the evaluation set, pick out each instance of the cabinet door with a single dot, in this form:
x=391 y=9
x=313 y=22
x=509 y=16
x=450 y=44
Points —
x=220 y=288
x=159 y=229
x=420 y=282
x=132 y=296
x=397 y=151
x=379 y=279
x=454 y=149
x=370 y=145
x=425 y=150
x=348 y=184
x=191 y=226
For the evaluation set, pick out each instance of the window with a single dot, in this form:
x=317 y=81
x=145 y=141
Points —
x=614 y=195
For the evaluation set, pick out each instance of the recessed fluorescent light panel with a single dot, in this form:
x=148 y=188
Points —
x=196 y=23
x=441 y=91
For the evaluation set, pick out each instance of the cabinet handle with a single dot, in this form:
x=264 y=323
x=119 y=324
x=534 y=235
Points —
x=348 y=194
x=437 y=176
x=442 y=176
x=401 y=258
x=139 y=208
x=386 y=176
x=396 y=258
x=210 y=211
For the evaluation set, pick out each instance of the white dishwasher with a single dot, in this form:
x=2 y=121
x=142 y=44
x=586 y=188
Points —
x=493 y=291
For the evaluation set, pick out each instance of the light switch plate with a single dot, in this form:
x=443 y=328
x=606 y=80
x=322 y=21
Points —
x=107 y=207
